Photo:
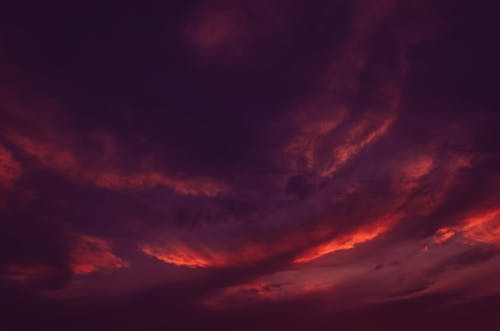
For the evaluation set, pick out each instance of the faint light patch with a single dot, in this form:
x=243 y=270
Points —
x=215 y=29
x=364 y=133
x=10 y=169
x=416 y=169
x=277 y=286
x=24 y=273
x=186 y=186
x=229 y=30
x=304 y=282
x=301 y=152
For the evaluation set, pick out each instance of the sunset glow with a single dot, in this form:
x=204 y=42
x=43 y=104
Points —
x=249 y=165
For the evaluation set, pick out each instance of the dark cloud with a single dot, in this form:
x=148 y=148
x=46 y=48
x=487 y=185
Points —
x=34 y=251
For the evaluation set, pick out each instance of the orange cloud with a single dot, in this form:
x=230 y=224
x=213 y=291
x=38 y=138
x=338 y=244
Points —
x=361 y=235
x=93 y=255
x=182 y=255
x=10 y=169
x=409 y=175
x=442 y=235
x=203 y=256
x=483 y=227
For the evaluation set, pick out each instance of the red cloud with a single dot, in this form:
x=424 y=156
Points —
x=481 y=227
x=398 y=271
x=404 y=198
x=56 y=147
x=93 y=255
x=87 y=255
x=349 y=240
x=65 y=161
x=326 y=145
x=203 y=256
x=442 y=235
x=181 y=255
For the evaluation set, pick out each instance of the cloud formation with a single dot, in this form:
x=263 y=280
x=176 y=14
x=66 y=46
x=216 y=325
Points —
x=90 y=254
x=206 y=164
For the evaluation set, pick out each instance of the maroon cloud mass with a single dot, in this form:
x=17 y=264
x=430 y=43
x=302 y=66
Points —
x=250 y=165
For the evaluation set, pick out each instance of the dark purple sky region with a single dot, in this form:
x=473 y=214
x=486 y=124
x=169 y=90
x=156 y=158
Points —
x=249 y=165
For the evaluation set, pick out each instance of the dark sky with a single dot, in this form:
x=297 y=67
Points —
x=250 y=165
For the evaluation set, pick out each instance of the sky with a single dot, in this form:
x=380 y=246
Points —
x=249 y=165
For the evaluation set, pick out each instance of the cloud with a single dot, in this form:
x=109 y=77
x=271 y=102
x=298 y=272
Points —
x=40 y=266
x=180 y=255
x=360 y=136
x=480 y=227
x=375 y=274
x=56 y=146
x=351 y=105
x=65 y=162
x=93 y=255
x=210 y=255
x=348 y=241
x=263 y=157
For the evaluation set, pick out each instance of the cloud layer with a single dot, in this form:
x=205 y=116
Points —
x=216 y=163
